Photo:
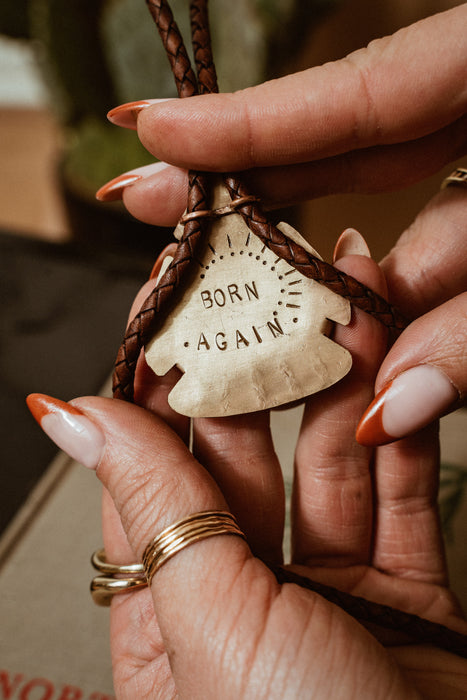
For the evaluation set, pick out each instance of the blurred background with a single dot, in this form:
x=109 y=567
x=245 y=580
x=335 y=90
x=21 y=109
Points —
x=69 y=266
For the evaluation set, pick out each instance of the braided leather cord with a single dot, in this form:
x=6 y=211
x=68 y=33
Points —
x=172 y=41
x=143 y=326
x=413 y=628
x=202 y=51
x=410 y=628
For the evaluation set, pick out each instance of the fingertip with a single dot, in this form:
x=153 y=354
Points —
x=410 y=402
x=169 y=250
x=159 y=197
x=365 y=337
x=350 y=242
x=68 y=427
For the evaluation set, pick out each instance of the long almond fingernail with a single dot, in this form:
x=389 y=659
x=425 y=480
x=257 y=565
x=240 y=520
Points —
x=411 y=401
x=68 y=428
x=168 y=250
x=112 y=191
x=126 y=115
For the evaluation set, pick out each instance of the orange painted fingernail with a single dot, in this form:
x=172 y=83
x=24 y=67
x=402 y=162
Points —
x=113 y=190
x=126 y=115
x=168 y=250
x=370 y=430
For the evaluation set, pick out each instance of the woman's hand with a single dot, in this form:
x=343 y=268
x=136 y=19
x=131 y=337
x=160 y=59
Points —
x=215 y=622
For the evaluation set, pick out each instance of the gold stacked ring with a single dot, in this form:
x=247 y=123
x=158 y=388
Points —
x=457 y=178
x=194 y=528
x=114 y=578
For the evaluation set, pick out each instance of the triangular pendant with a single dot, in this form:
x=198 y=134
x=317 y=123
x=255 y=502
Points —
x=248 y=331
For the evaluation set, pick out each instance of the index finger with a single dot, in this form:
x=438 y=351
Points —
x=395 y=90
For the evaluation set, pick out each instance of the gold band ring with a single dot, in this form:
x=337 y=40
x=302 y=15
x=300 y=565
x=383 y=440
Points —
x=114 y=578
x=185 y=532
x=103 y=588
x=457 y=178
x=99 y=562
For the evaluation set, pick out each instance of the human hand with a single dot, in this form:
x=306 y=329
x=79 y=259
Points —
x=349 y=126
x=215 y=622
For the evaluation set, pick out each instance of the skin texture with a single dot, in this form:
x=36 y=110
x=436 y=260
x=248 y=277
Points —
x=215 y=623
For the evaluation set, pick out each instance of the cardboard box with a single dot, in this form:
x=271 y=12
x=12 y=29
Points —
x=53 y=640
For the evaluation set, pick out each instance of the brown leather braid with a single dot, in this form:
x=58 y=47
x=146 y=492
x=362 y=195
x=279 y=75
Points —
x=413 y=628
x=185 y=79
x=202 y=51
x=144 y=325
x=409 y=628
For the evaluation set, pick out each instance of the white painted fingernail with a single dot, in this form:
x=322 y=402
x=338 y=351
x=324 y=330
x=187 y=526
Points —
x=68 y=428
x=350 y=242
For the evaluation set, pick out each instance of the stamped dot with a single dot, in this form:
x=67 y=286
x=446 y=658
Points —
x=221 y=257
x=282 y=291
x=186 y=344
x=279 y=303
x=273 y=268
x=250 y=255
x=241 y=252
x=281 y=277
x=232 y=254
x=274 y=313
x=258 y=257
x=265 y=262
x=202 y=276
x=295 y=320
x=207 y=267
x=212 y=262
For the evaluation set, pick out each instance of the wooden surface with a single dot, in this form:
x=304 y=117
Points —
x=248 y=331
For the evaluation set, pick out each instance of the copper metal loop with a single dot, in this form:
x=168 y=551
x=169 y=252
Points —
x=185 y=532
x=457 y=178
x=114 y=578
x=221 y=211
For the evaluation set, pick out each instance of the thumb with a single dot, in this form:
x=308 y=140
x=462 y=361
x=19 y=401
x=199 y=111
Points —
x=155 y=481
x=423 y=377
